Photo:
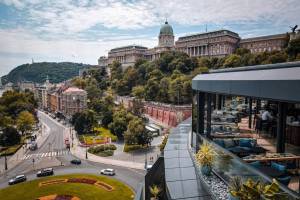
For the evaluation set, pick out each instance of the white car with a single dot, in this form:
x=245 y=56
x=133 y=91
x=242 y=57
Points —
x=109 y=172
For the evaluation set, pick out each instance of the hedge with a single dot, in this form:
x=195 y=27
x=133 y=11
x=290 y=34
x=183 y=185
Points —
x=132 y=147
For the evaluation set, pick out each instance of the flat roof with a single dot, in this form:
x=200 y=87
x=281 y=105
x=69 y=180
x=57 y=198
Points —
x=276 y=82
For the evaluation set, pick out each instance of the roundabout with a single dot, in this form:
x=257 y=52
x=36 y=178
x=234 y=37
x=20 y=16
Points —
x=71 y=186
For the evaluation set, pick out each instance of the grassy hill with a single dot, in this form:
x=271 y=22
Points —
x=37 y=72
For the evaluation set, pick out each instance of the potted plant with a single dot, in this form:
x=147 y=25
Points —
x=254 y=190
x=235 y=187
x=154 y=190
x=206 y=157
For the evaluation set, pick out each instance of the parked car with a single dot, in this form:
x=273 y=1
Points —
x=109 y=172
x=76 y=162
x=33 y=146
x=148 y=167
x=17 y=179
x=45 y=172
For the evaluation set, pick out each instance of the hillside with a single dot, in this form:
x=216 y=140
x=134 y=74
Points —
x=37 y=72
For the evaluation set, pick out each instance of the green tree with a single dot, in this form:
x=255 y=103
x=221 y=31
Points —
x=232 y=60
x=119 y=123
x=138 y=92
x=84 y=122
x=93 y=92
x=294 y=48
x=25 y=122
x=9 y=137
x=136 y=132
x=79 y=82
x=116 y=70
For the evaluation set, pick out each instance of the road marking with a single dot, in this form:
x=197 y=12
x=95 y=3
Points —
x=46 y=154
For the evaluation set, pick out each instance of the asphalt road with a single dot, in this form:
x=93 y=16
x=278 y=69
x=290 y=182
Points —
x=55 y=142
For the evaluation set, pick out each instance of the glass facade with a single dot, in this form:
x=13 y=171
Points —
x=227 y=164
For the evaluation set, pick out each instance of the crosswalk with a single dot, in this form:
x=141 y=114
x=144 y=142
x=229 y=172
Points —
x=46 y=154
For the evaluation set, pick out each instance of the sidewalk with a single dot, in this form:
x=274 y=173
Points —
x=80 y=152
x=17 y=157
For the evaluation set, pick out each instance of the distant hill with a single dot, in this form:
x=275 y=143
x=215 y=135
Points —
x=38 y=72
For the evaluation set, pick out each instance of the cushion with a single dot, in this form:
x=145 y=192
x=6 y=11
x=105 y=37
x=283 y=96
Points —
x=285 y=180
x=220 y=142
x=279 y=167
x=229 y=143
x=245 y=143
x=255 y=164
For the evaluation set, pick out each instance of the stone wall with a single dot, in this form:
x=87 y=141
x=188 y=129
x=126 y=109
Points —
x=166 y=114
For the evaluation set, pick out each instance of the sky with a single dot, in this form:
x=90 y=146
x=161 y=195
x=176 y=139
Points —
x=83 y=30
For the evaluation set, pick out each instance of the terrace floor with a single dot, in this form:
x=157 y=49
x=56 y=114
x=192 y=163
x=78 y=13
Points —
x=269 y=143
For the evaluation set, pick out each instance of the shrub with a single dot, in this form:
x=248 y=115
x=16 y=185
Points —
x=164 y=142
x=132 y=147
x=101 y=148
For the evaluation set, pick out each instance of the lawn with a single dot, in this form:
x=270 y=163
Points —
x=32 y=190
x=103 y=132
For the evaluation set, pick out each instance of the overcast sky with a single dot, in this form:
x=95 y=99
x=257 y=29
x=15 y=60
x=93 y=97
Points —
x=83 y=30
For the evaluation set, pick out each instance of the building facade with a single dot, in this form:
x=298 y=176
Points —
x=264 y=43
x=127 y=55
x=217 y=43
x=73 y=100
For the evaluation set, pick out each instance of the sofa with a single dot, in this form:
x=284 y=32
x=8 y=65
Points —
x=240 y=146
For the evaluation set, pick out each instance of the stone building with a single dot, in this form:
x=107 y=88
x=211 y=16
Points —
x=41 y=93
x=264 y=43
x=26 y=85
x=165 y=43
x=127 y=55
x=216 y=43
x=73 y=100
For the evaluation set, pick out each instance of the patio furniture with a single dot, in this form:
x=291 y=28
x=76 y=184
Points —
x=240 y=146
x=270 y=171
x=279 y=157
x=284 y=180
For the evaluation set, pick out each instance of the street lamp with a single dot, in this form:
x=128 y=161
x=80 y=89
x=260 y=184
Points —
x=5 y=160
x=86 y=155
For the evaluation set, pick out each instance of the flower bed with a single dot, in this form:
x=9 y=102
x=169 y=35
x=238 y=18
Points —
x=103 y=150
x=58 y=197
x=82 y=180
x=78 y=180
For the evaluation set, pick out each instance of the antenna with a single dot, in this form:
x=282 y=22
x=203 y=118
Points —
x=206 y=28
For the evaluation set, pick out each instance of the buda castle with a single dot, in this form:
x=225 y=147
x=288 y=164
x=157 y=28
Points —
x=212 y=44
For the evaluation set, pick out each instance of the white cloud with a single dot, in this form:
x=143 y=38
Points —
x=21 y=42
x=60 y=29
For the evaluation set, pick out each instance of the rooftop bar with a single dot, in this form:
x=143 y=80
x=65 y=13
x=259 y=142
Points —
x=251 y=115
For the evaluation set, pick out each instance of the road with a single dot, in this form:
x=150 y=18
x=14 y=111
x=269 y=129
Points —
x=52 y=153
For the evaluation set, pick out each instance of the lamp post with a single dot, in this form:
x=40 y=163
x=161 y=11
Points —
x=5 y=160
x=86 y=155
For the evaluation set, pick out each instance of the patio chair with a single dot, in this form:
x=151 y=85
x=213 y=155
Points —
x=285 y=180
x=278 y=167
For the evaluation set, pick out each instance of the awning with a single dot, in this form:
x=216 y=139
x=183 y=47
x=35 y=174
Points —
x=281 y=82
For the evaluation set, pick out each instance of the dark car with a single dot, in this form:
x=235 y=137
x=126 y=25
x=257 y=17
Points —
x=45 y=172
x=76 y=162
x=17 y=179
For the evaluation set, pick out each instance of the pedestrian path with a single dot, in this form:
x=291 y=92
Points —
x=58 y=153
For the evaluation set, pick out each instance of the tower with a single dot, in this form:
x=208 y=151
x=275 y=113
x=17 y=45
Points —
x=166 y=36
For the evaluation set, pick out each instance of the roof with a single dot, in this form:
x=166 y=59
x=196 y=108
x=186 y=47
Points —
x=276 y=82
x=73 y=89
x=166 y=29
x=128 y=47
x=210 y=34
x=262 y=38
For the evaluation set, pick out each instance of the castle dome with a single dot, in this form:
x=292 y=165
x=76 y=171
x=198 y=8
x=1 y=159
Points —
x=166 y=29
